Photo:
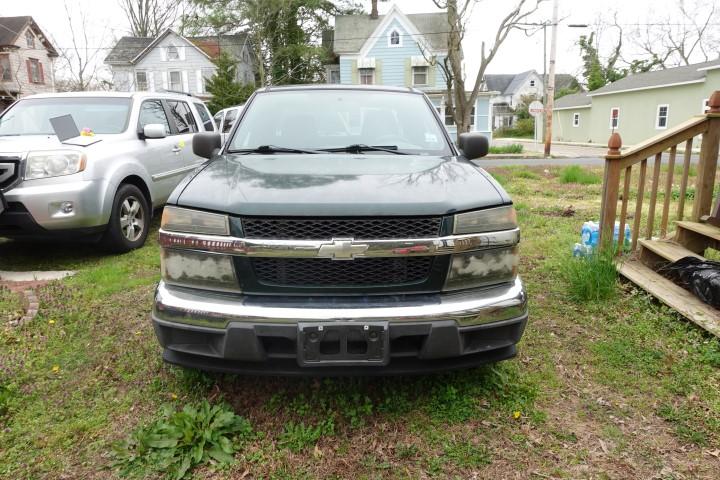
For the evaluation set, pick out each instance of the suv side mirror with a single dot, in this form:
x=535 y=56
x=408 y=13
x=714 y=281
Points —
x=206 y=144
x=154 y=130
x=473 y=145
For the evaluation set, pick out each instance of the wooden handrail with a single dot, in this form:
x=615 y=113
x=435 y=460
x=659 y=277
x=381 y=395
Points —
x=707 y=125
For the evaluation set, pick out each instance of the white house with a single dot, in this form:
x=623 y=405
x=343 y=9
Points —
x=174 y=62
x=26 y=60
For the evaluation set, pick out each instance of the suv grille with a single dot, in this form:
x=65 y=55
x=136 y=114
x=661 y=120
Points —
x=9 y=170
x=324 y=272
x=329 y=228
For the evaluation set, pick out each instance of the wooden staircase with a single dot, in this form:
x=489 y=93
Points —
x=656 y=253
x=655 y=247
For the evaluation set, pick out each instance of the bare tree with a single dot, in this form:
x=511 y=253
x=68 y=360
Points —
x=149 y=18
x=458 y=102
x=687 y=35
x=80 y=62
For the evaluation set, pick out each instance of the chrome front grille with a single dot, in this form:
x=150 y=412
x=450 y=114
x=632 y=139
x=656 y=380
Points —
x=9 y=171
x=328 y=228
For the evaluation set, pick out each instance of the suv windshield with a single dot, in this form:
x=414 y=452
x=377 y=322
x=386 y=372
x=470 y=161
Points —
x=32 y=116
x=334 y=119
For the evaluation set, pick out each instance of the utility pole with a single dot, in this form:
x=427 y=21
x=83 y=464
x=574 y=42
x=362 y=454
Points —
x=551 y=81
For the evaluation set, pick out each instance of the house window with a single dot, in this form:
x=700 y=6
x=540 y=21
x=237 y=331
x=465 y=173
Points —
x=5 y=73
x=367 y=76
x=141 y=82
x=576 y=119
x=420 y=75
x=172 y=53
x=532 y=83
x=614 y=117
x=705 y=105
x=35 y=71
x=175 y=81
x=662 y=117
x=450 y=121
x=394 y=40
x=29 y=39
x=334 y=76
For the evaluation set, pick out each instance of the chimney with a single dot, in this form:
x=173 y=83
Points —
x=374 y=10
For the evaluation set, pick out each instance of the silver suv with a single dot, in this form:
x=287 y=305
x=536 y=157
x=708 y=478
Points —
x=133 y=150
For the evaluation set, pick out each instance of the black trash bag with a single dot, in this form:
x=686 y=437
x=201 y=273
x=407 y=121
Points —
x=702 y=277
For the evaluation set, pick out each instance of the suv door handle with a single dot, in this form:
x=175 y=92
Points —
x=176 y=149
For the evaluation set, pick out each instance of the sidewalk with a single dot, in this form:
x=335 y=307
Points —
x=558 y=149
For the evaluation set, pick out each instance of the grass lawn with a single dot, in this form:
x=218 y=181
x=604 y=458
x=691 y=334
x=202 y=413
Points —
x=620 y=388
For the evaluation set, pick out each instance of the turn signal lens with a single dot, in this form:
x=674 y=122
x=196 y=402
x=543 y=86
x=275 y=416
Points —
x=482 y=268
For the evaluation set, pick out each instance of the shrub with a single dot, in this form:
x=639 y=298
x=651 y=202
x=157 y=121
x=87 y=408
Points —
x=577 y=174
x=178 y=441
x=524 y=128
x=512 y=148
x=591 y=278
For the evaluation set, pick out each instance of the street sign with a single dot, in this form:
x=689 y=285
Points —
x=536 y=108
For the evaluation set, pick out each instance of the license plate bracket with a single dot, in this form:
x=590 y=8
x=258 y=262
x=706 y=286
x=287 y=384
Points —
x=343 y=344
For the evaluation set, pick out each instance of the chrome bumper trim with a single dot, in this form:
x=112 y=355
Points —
x=340 y=249
x=469 y=307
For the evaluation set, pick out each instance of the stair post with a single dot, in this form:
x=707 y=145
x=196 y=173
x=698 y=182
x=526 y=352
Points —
x=707 y=166
x=611 y=186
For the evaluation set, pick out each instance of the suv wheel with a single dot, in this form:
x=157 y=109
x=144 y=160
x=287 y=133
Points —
x=129 y=220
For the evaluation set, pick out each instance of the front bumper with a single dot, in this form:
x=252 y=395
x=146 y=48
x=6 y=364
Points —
x=259 y=335
x=36 y=209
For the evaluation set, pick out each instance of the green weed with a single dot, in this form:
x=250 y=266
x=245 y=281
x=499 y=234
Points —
x=297 y=436
x=179 y=441
x=465 y=454
x=577 y=174
x=591 y=278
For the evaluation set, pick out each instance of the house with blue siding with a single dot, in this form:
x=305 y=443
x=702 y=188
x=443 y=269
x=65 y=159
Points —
x=402 y=51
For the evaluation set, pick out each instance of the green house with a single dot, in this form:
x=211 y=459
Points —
x=638 y=106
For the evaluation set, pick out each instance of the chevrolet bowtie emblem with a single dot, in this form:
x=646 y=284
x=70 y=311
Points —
x=342 y=249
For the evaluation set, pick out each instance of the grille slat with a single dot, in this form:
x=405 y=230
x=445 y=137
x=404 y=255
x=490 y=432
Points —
x=329 y=228
x=323 y=272
x=9 y=170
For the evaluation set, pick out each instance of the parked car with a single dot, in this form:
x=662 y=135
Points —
x=225 y=119
x=133 y=150
x=339 y=231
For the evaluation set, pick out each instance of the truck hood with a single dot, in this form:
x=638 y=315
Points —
x=339 y=185
x=24 y=143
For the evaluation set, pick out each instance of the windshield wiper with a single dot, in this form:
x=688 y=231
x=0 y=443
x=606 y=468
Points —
x=274 y=149
x=359 y=147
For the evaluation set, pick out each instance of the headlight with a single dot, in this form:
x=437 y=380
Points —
x=176 y=219
x=482 y=268
x=209 y=271
x=53 y=164
x=489 y=220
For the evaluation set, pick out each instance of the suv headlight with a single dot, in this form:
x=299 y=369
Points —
x=482 y=268
x=488 y=220
x=184 y=220
x=54 y=163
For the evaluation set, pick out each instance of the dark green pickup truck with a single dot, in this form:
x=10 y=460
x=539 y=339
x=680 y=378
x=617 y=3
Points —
x=339 y=231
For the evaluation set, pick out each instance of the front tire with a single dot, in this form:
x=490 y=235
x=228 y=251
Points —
x=129 y=220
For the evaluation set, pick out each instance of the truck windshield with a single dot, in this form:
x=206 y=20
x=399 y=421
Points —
x=335 y=119
x=31 y=116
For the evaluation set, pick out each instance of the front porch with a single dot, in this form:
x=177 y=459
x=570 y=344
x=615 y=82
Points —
x=680 y=219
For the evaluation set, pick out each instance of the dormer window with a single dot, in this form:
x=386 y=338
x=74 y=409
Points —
x=394 y=39
x=532 y=83
x=172 y=53
x=30 y=39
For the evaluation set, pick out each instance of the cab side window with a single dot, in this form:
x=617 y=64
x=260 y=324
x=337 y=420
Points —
x=218 y=120
x=182 y=116
x=205 y=117
x=230 y=117
x=152 y=111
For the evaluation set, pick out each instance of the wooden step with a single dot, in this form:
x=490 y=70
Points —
x=704 y=229
x=667 y=249
x=674 y=296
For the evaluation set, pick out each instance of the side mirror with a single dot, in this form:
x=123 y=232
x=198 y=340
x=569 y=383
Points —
x=154 y=130
x=206 y=144
x=473 y=145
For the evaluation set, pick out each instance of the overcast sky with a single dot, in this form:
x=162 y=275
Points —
x=520 y=52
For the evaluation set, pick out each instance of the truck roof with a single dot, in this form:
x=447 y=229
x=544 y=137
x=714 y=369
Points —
x=338 y=86
x=97 y=94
